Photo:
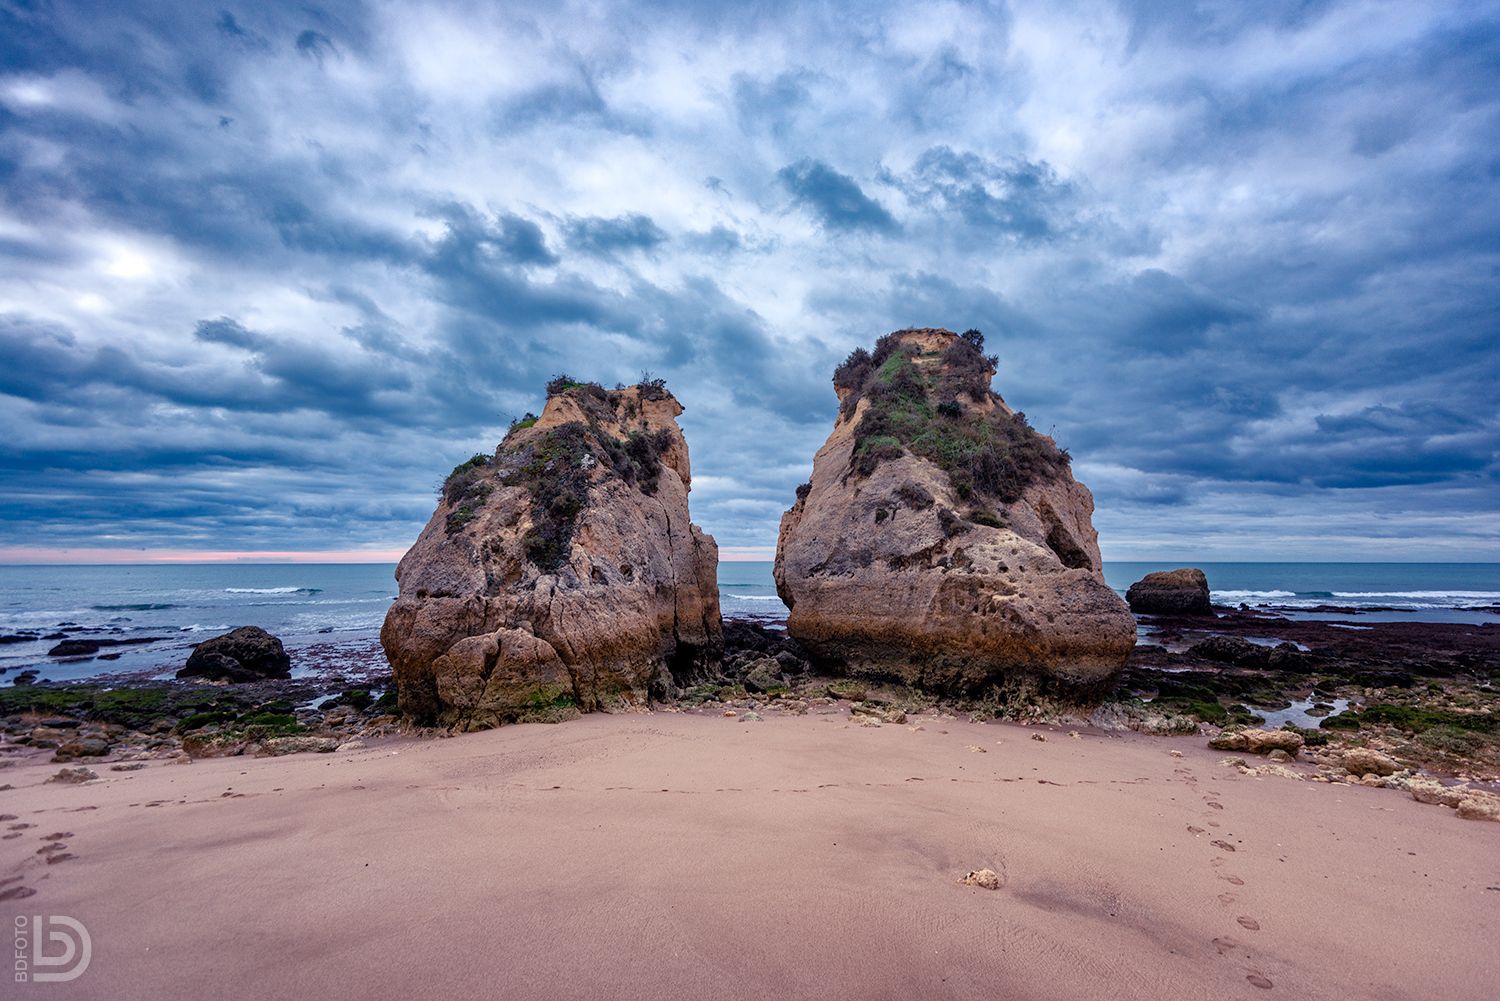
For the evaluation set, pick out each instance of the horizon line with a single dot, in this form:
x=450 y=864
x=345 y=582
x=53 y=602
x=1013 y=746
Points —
x=102 y=556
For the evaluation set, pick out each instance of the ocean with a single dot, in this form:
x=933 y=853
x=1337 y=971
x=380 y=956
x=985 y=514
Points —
x=329 y=615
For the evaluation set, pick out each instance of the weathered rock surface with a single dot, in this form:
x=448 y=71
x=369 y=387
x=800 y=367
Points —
x=1171 y=592
x=562 y=574
x=942 y=542
x=1258 y=741
x=1366 y=761
x=248 y=653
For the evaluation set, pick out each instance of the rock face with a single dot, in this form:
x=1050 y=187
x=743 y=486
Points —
x=1171 y=592
x=561 y=574
x=942 y=542
x=248 y=653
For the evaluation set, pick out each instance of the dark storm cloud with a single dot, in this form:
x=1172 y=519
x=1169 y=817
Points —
x=1022 y=199
x=605 y=237
x=834 y=198
x=271 y=269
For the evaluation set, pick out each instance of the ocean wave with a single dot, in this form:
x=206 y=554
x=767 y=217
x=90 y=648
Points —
x=1424 y=595
x=1247 y=595
x=142 y=607
x=273 y=590
x=752 y=597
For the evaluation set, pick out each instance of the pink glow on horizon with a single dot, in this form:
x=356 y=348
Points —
x=39 y=555
x=99 y=555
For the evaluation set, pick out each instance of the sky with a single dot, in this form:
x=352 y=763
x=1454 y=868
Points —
x=268 y=271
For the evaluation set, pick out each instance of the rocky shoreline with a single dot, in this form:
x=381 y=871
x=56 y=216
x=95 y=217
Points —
x=1415 y=699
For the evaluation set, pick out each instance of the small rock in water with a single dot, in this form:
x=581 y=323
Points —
x=986 y=879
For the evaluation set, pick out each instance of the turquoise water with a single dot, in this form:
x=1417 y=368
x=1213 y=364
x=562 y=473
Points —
x=320 y=610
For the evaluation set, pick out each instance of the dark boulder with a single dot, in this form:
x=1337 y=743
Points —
x=1227 y=650
x=90 y=647
x=1171 y=592
x=245 y=654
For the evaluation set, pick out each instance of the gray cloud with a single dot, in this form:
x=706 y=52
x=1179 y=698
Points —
x=834 y=198
x=270 y=270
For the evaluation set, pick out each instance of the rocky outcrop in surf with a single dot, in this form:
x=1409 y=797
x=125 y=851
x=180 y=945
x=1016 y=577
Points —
x=562 y=573
x=941 y=541
x=248 y=653
x=1171 y=592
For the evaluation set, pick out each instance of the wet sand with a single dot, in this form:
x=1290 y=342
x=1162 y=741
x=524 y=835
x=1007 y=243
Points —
x=685 y=856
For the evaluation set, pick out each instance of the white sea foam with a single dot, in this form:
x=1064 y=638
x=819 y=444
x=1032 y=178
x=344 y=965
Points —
x=752 y=597
x=272 y=590
x=1423 y=595
x=1248 y=595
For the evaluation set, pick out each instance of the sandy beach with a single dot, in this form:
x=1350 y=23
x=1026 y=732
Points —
x=675 y=855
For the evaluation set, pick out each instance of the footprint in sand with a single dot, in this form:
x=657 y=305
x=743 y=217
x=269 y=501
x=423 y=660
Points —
x=57 y=836
x=1194 y=830
x=1227 y=898
x=1213 y=804
x=10 y=837
x=1225 y=944
x=1264 y=983
x=1249 y=924
x=1222 y=845
x=57 y=857
x=17 y=893
x=1233 y=879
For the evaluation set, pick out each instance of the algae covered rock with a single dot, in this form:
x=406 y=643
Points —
x=943 y=542
x=563 y=573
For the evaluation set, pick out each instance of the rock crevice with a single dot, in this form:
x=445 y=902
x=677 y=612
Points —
x=516 y=602
x=941 y=541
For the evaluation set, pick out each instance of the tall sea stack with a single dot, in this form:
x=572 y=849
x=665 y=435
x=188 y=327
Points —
x=942 y=542
x=561 y=574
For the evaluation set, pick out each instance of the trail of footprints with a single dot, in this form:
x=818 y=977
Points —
x=54 y=849
x=1227 y=946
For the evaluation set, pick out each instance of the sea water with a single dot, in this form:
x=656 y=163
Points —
x=337 y=607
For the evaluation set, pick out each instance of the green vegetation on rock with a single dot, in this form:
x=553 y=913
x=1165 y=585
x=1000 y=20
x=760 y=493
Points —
x=919 y=406
x=557 y=467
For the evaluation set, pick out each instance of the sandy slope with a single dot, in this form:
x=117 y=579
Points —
x=683 y=856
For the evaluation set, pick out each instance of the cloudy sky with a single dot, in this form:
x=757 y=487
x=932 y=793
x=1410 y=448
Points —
x=268 y=271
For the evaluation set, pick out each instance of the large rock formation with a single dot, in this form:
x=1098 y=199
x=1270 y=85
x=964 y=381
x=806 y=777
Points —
x=560 y=574
x=1171 y=592
x=942 y=541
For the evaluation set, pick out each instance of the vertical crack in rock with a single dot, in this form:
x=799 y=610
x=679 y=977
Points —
x=577 y=487
x=991 y=576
